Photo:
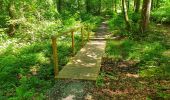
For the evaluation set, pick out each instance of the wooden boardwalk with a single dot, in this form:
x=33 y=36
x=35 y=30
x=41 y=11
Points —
x=87 y=62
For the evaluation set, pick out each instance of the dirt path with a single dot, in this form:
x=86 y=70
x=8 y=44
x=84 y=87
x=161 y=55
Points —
x=102 y=31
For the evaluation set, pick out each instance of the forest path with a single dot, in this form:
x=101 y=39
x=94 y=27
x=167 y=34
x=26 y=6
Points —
x=87 y=62
x=84 y=67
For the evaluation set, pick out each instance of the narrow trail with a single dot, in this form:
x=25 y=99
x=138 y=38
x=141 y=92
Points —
x=102 y=30
x=85 y=65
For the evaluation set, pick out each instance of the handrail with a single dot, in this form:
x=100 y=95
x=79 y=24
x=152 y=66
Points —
x=54 y=45
x=68 y=31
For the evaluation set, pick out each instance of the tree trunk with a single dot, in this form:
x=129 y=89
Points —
x=137 y=6
x=59 y=5
x=145 y=15
x=125 y=14
x=11 y=12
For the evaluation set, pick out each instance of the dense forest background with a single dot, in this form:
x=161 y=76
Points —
x=26 y=26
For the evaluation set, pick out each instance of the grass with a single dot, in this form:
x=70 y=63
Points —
x=148 y=54
x=161 y=14
x=28 y=69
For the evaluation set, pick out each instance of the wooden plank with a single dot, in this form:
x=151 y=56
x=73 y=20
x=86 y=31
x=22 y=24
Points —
x=86 y=64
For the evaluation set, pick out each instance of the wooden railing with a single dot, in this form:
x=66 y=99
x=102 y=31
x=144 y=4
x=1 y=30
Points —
x=54 y=45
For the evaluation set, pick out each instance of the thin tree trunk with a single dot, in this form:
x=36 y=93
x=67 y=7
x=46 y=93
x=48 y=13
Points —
x=137 y=6
x=11 y=11
x=125 y=14
x=145 y=15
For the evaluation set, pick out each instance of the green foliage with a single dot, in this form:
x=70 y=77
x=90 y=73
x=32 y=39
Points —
x=116 y=22
x=164 y=95
x=100 y=80
x=135 y=17
x=162 y=14
x=147 y=54
x=28 y=69
x=111 y=52
x=90 y=20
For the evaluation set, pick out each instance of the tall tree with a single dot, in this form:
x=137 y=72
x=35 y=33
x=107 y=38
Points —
x=125 y=14
x=145 y=14
x=137 y=6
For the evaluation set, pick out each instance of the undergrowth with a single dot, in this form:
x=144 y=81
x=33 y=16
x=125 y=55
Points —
x=26 y=65
x=162 y=14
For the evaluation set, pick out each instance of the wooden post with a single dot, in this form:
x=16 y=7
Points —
x=73 y=42
x=88 y=29
x=55 y=55
x=82 y=36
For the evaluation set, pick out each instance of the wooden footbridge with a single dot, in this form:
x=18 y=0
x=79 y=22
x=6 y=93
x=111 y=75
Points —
x=85 y=65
